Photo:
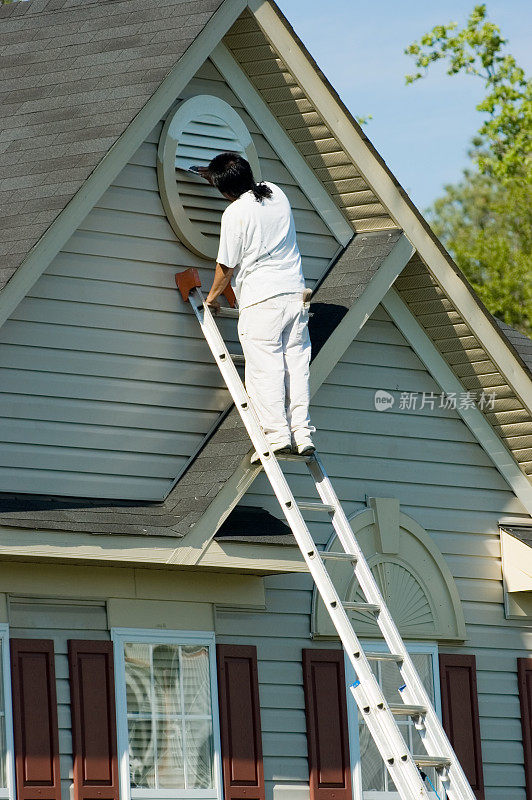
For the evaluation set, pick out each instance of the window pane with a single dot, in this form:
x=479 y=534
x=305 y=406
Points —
x=196 y=682
x=374 y=774
x=166 y=673
x=138 y=678
x=168 y=696
x=170 y=769
x=423 y=664
x=390 y=681
x=3 y=753
x=3 y=745
x=371 y=762
x=1 y=681
x=142 y=754
x=199 y=747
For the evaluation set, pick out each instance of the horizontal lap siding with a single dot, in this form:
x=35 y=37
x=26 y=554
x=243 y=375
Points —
x=101 y=365
x=445 y=481
x=466 y=356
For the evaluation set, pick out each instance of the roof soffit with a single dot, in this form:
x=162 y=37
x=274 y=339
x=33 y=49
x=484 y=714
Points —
x=312 y=113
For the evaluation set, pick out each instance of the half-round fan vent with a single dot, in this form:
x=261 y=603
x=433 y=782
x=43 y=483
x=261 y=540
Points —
x=403 y=594
x=197 y=131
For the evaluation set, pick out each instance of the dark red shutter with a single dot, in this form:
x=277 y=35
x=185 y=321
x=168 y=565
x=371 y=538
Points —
x=35 y=719
x=238 y=688
x=524 y=681
x=327 y=731
x=92 y=691
x=458 y=679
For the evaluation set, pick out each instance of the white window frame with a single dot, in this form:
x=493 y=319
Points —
x=9 y=791
x=120 y=636
x=429 y=648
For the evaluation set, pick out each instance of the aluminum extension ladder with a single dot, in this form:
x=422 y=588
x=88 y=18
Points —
x=379 y=715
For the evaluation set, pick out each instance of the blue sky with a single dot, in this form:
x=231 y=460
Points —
x=422 y=130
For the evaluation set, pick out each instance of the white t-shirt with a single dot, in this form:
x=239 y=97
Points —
x=259 y=238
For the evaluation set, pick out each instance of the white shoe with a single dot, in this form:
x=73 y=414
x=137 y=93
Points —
x=277 y=449
x=304 y=447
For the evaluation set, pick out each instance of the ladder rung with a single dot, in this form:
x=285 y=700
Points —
x=238 y=358
x=407 y=710
x=361 y=607
x=329 y=554
x=383 y=657
x=292 y=457
x=228 y=312
x=316 y=507
x=438 y=762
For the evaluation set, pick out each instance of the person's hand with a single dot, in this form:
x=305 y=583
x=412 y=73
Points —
x=203 y=172
x=214 y=305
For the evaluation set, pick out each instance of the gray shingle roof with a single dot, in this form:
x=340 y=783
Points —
x=521 y=343
x=224 y=451
x=73 y=75
x=521 y=532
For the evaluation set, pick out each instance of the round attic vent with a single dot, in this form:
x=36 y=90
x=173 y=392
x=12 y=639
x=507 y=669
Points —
x=198 y=130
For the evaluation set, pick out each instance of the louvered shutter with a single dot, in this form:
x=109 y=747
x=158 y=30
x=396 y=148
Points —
x=327 y=730
x=524 y=682
x=93 y=720
x=240 y=727
x=35 y=719
x=458 y=679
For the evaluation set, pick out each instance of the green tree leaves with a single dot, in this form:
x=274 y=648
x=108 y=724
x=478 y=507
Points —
x=486 y=219
x=487 y=226
x=504 y=144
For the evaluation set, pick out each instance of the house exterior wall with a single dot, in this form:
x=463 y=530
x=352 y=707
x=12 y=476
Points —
x=443 y=479
x=60 y=602
x=431 y=462
x=97 y=394
x=101 y=363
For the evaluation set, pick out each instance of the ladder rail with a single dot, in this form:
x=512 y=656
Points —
x=370 y=698
x=432 y=734
x=366 y=691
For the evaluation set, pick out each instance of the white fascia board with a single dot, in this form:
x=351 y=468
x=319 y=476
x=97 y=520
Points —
x=393 y=198
x=447 y=380
x=332 y=351
x=212 y=519
x=144 y=552
x=282 y=144
x=359 y=313
x=117 y=157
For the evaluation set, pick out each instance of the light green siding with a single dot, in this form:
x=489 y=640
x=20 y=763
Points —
x=445 y=481
x=101 y=364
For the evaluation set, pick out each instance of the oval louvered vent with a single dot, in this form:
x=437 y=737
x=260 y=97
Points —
x=198 y=130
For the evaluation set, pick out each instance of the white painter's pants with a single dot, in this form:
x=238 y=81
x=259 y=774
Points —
x=276 y=345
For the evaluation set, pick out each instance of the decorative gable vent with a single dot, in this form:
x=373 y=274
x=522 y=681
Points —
x=197 y=131
x=411 y=573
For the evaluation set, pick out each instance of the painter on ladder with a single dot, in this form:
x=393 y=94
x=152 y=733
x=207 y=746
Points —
x=258 y=243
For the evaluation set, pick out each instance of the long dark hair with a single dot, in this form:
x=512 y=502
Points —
x=232 y=175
